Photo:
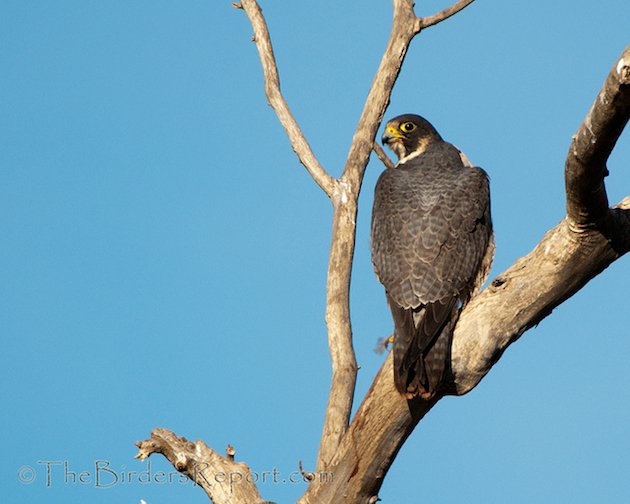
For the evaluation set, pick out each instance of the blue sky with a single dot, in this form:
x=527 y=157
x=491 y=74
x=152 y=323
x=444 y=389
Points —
x=163 y=253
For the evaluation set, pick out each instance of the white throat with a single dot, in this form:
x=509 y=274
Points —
x=421 y=148
x=406 y=158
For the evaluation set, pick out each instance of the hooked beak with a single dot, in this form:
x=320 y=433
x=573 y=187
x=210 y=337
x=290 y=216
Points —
x=390 y=135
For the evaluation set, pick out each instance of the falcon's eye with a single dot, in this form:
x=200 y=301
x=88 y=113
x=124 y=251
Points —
x=408 y=127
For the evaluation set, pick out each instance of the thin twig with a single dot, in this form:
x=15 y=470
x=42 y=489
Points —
x=277 y=101
x=308 y=476
x=382 y=155
x=425 y=22
x=230 y=451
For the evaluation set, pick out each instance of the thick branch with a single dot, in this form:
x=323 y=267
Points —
x=425 y=22
x=379 y=428
x=224 y=480
x=342 y=356
x=595 y=139
x=560 y=265
x=277 y=101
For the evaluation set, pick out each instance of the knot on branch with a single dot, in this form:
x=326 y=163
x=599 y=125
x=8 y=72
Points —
x=146 y=449
x=181 y=462
x=498 y=282
x=623 y=71
x=308 y=476
x=342 y=192
x=230 y=451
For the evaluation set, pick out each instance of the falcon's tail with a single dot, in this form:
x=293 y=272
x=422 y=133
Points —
x=422 y=346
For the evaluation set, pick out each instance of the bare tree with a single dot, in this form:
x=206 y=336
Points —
x=358 y=451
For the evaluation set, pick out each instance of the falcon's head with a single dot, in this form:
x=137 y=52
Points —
x=408 y=134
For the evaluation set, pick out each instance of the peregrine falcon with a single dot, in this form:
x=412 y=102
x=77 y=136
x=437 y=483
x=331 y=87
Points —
x=432 y=246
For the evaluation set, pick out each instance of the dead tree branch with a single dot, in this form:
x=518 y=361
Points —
x=277 y=101
x=585 y=167
x=425 y=22
x=223 y=479
x=382 y=155
x=590 y=238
